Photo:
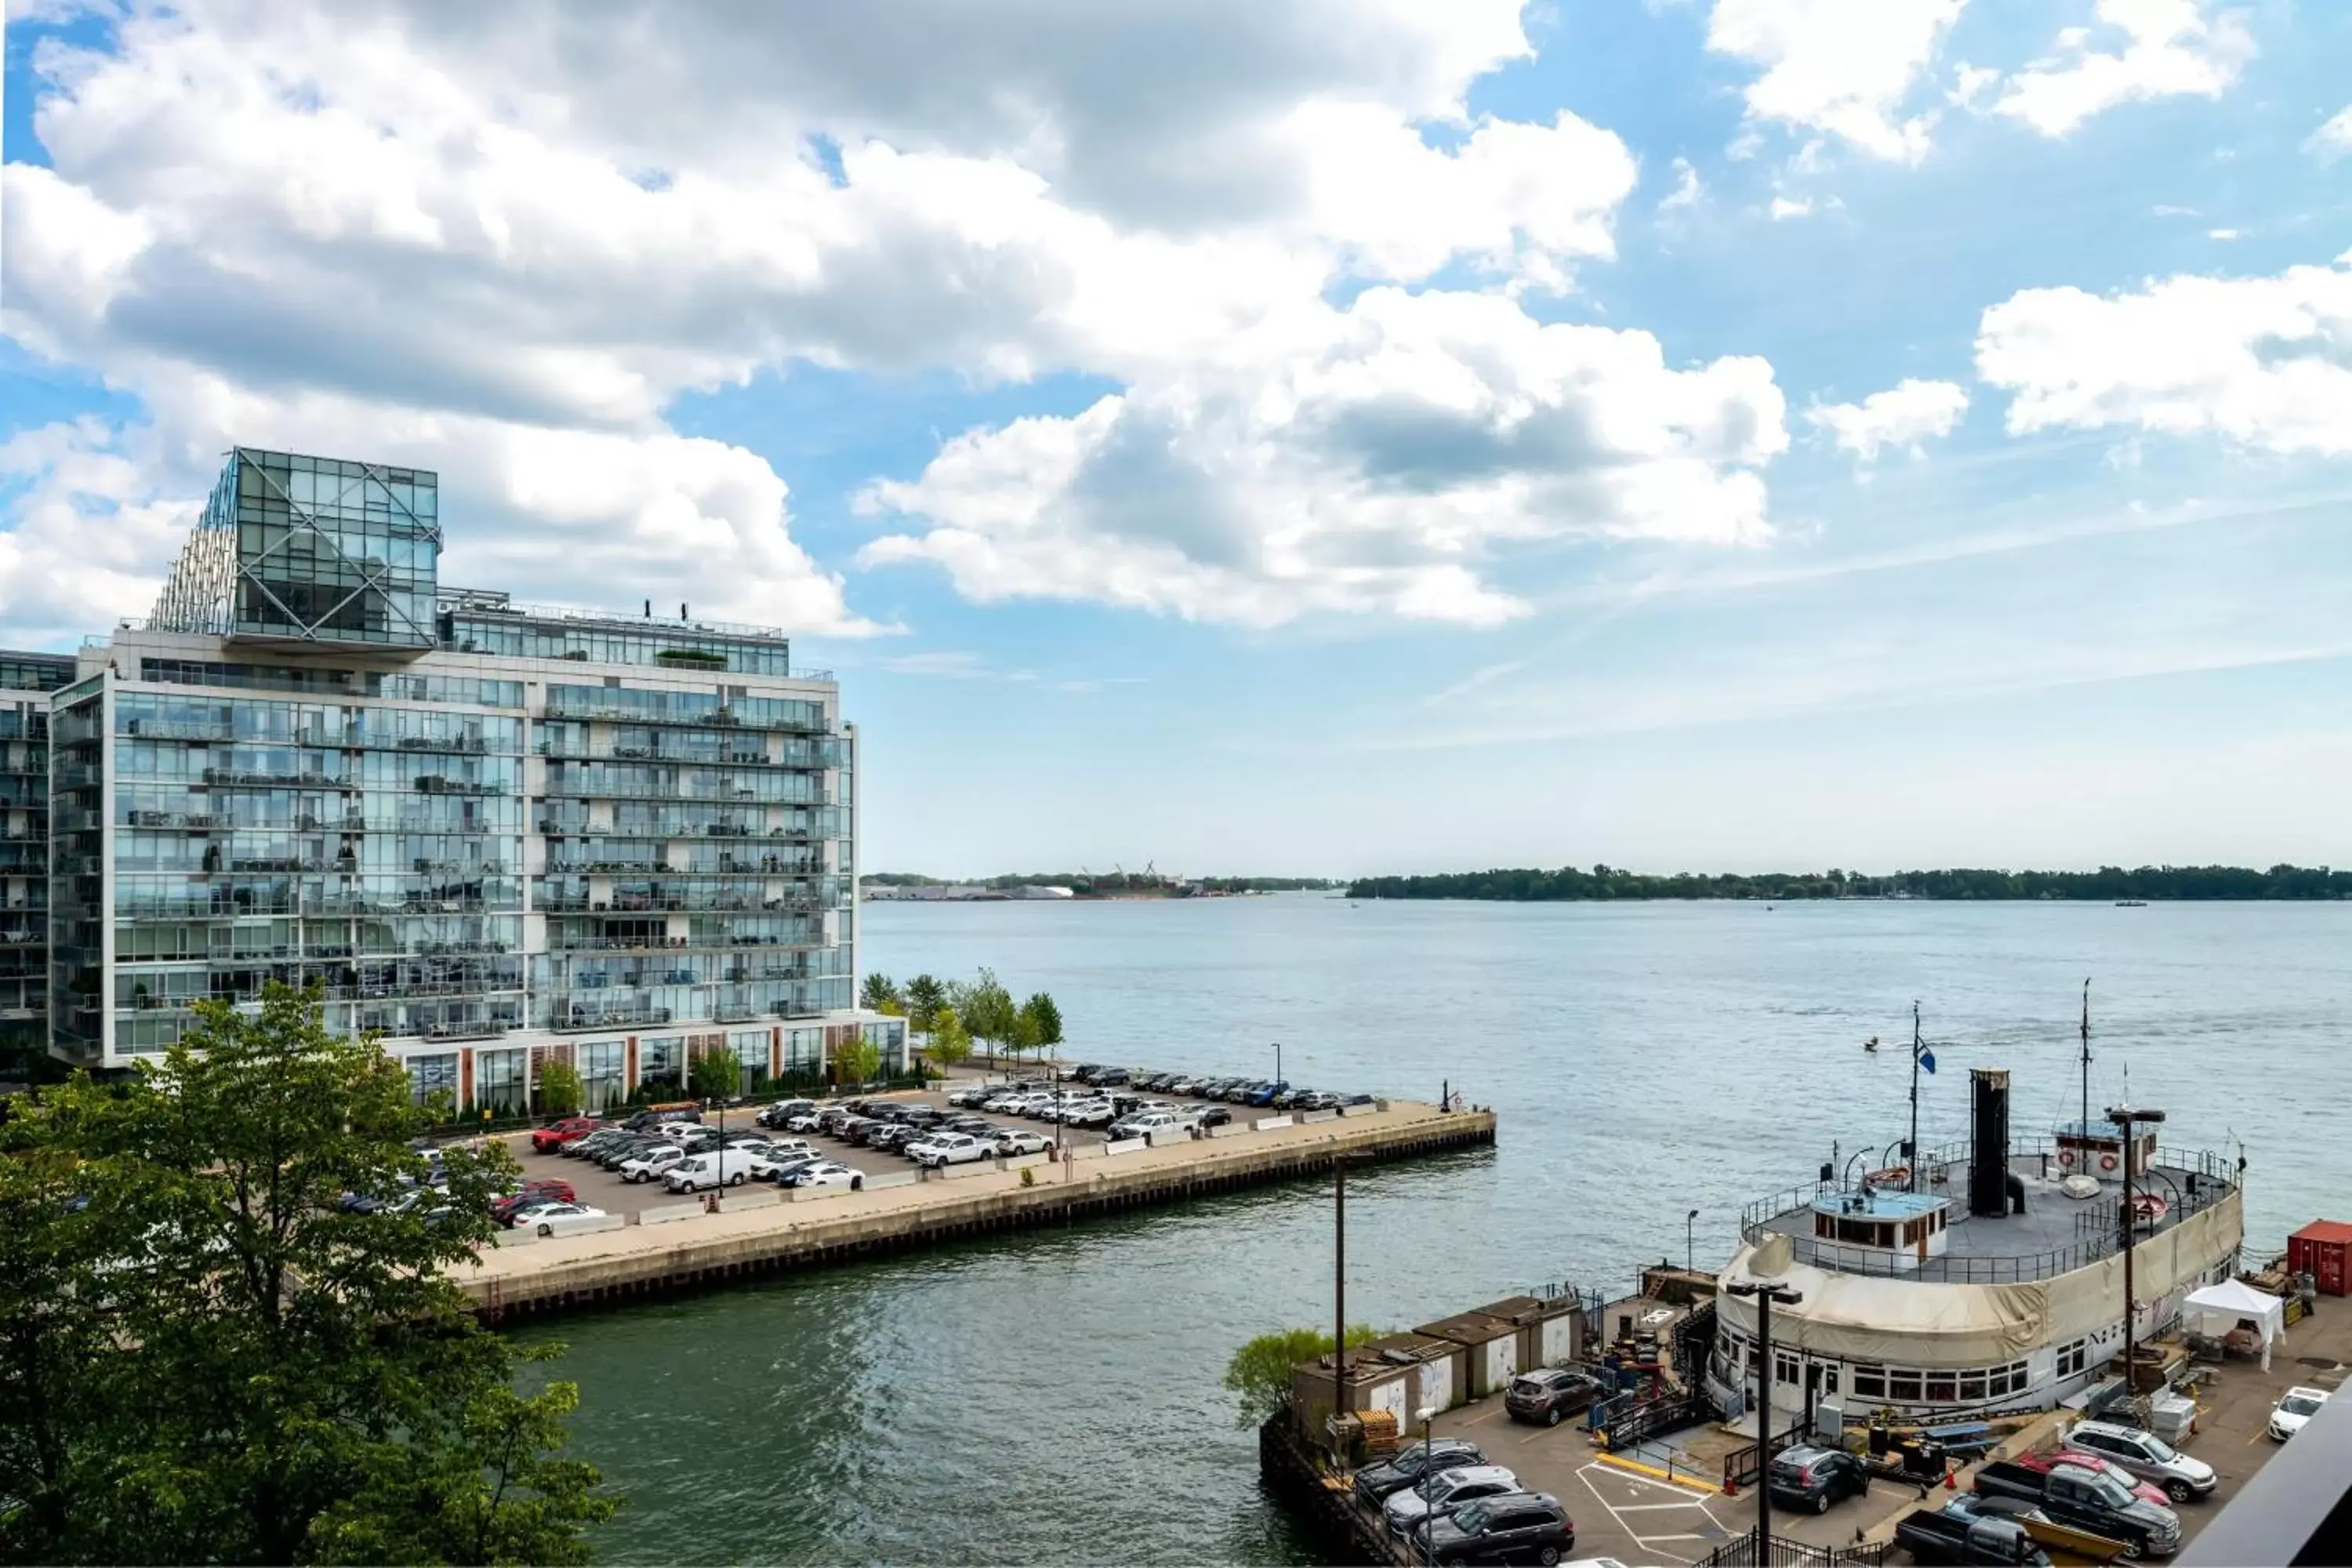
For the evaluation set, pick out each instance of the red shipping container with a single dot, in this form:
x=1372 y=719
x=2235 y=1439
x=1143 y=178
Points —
x=2322 y=1250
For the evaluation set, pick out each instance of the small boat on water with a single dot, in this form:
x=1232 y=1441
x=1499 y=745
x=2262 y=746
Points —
x=2131 y=903
x=1871 y=1044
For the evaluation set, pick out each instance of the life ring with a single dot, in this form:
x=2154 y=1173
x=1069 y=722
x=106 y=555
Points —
x=2106 y=1162
x=2150 y=1207
x=2066 y=1157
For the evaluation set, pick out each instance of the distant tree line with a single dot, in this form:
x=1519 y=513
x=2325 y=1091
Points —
x=2150 y=882
x=1099 y=884
x=951 y=1015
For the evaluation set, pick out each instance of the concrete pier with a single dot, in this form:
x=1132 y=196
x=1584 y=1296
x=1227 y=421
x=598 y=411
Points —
x=754 y=1235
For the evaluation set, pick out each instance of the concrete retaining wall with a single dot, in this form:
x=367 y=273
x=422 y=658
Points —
x=1025 y=1161
x=752 y=1198
x=670 y=1214
x=1268 y=1123
x=1229 y=1129
x=1319 y=1116
x=894 y=1179
x=1358 y=1110
x=956 y=1173
x=819 y=1235
x=1124 y=1145
x=581 y=1224
x=1169 y=1139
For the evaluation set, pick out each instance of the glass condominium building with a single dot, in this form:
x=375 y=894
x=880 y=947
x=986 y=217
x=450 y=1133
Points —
x=495 y=835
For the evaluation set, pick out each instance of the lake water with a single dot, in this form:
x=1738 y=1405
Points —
x=1053 y=1397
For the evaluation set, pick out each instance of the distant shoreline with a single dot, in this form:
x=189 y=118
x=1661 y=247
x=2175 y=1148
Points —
x=2112 y=884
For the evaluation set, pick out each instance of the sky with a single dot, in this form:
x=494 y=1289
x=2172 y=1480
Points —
x=1286 y=437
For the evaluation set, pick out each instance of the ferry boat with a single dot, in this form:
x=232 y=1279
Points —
x=1990 y=1280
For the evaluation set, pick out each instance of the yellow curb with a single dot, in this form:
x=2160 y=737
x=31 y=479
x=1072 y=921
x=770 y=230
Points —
x=1656 y=1474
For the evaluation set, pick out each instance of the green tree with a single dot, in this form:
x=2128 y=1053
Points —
x=1259 y=1374
x=559 y=1090
x=208 y=1360
x=925 y=996
x=1041 y=1011
x=987 y=1010
x=717 y=1075
x=859 y=1061
x=947 y=1044
x=1023 y=1036
x=880 y=994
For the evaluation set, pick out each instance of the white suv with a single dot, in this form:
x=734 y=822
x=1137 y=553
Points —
x=942 y=1149
x=1145 y=1123
x=652 y=1162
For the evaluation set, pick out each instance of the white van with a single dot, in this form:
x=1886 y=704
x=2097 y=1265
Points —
x=728 y=1167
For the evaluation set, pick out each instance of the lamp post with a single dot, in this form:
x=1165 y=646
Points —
x=1690 y=1246
x=1764 y=1296
x=1278 y=1061
x=1428 y=1526
x=2125 y=1117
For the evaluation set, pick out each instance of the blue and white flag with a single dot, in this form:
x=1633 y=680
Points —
x=1926 y=1057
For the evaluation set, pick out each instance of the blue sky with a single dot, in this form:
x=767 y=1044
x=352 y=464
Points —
x=1289 y=437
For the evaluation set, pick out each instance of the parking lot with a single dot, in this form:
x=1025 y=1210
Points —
x=607 y=1191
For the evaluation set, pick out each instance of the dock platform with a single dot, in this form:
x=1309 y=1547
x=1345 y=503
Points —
x=755 y=1233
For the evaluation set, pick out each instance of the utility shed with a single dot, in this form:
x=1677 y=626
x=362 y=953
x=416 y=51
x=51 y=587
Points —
x=1491 y=1347
x=1398 y=1374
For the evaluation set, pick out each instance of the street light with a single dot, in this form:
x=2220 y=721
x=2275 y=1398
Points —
x=1690 y=1247
x=1428 y=1530
x=1278 y=1061
x=1765 y=1296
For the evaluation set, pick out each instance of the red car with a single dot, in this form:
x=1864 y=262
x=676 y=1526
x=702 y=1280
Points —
x=2147 y=1491
x=551 y=1191
x=547 y=1140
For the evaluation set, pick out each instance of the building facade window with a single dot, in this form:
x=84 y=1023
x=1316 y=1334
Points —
x=429 y=1076
x=602 y=1066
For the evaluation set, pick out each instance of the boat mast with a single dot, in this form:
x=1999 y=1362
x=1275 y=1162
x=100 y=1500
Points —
x=2086 y=1058
x=1912 y=1183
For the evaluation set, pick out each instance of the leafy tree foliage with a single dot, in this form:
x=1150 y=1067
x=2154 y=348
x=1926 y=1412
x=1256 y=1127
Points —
x=947 y=1044
x=205 y=1357
x=1046 y=1018
x=717 y=1075
x=880 y=994
x=925 y=996
x=1259 y=1374
x=859 y=1061
x=987 y=1009
x=560 y=1092
x=2109 y=882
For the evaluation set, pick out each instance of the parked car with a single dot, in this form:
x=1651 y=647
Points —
x=1214 y=1116
x=1314 y=1100
x=717 y=1168
x=504 y=1207
x=1515 y=1527
x=941 y=1150
x=556 y=1134
x=783 y=1110
x=1962 y=1534
x=1814 y=1479
x=1145 y=1125
x=2086 y=1500
x=2295 y=1407
x=2147 y=1490
x=652 y=1162
x=823 y=1173
x=602 y=1138
x=1263 y=1093
x=1549 y=1393
x=1111 y=1078
x=1439 y=1495
x=1099 y=1113
x=542 y=1219
x=1015 y=1141
x=2183 y=1478
x=658 y=1116
x=1374 y=1482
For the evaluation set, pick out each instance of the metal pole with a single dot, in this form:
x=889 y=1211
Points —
x=1690 y=1245
x=1428 y=1525
x=1764 y=1429
x=1911 y=1160
x=1338 y=1293
x=2086 y=1058
x=1278 y=1061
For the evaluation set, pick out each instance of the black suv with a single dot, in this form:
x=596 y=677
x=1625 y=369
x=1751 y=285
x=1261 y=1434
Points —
x=1516 y=1527
x=1374 y=1482
x=1552 y=1393
x=1814 y=1478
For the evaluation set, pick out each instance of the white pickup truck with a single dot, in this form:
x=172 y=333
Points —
x=941 y=1149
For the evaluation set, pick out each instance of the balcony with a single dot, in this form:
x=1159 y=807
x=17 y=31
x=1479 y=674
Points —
x=581 y=1019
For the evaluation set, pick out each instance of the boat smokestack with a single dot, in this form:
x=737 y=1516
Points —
x=1988 y=1151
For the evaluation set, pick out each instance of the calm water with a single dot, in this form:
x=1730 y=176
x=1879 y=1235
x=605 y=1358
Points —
x=1055 y=1398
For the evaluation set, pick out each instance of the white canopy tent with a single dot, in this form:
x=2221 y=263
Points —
x=2217 y=1308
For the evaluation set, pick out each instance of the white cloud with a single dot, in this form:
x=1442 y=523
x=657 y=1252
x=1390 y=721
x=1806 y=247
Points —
x=2262 y=362
x=1687 y=191
x=502 y=241
x=2170 y=48
x=1904 y=415
x=1784 y=207
x=1844 y=67
x=2333 y=140
x=2221 y=234
x=1377 y=467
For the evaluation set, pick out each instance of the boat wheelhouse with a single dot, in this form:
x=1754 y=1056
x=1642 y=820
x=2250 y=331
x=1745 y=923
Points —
x=1986 y=1276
